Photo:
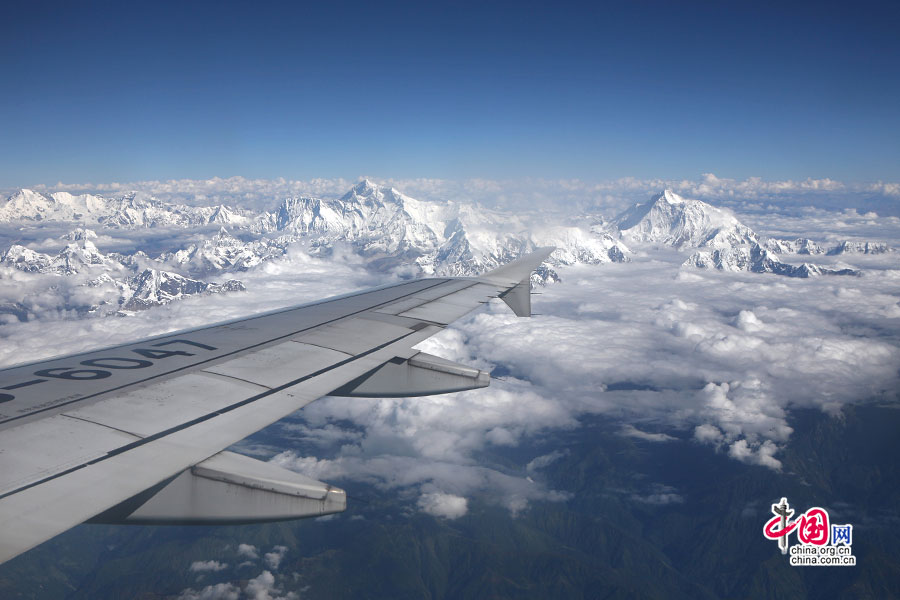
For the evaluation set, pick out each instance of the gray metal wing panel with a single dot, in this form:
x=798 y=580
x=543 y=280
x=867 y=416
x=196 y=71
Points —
x=437 y=292
x=35 y=451
x=450 y=307
x=149 y=410
x=399 y=306
x=439 y=311
x=353 y=335
x=275 y=366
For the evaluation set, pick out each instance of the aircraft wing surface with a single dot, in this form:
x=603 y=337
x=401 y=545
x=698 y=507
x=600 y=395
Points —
x=135 y=433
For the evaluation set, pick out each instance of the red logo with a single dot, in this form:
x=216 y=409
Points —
x=812 y=526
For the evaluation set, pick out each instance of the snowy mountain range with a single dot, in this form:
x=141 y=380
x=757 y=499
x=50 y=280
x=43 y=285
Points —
x=396 y=233
x=722 y=241
x=128 y=211
x=85 y=280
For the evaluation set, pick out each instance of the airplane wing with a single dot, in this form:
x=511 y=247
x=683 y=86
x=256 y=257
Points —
x=135 y=433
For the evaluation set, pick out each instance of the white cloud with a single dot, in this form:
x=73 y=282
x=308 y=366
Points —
x=219 y=591
x=447 y=506
x=274 y=558
x=758 y=454
x=204 y=566
x=545 y=460
x=632 y=431
x=708 y=434
x=389 y=471
x=248 y=551
x=261 y=587
x=659 y=495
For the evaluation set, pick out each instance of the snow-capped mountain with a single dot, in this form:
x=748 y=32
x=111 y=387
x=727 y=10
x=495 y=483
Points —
x=76 y=257
x=396 y=233
x=721 y=240
x=848 y=247
x=128 y=211
x=83 y=279
x=756 y=259
x=377 y=220
x=795 y=246
x=27 y=260
x=28 y=205
x=225 y=252
x=153 y=287
x=439 y=238
x=807 y=246
x=675 y=221
x=392 y=229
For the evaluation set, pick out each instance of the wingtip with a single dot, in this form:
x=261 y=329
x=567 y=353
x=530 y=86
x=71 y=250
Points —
x=520 y=269
x=546 y=251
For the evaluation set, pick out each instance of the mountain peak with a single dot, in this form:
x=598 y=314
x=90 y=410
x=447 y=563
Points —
x=365 y=187
x=669 y=196
x=80 y=234
x=670 y=219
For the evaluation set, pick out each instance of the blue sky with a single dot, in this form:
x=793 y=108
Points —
x=132 y=91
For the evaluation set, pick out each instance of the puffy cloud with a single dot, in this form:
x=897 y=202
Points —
x=443 y=505
x=273 y=558
x=219 y=591
x=262 y=587
x=248 y=551
x=204 y=566
x=708 y=434
x=761 y=454
x=660 y=495
x=724 y=355
x=388 y=470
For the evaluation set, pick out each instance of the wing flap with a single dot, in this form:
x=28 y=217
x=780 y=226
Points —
x=420 y=375
x=229 y=488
